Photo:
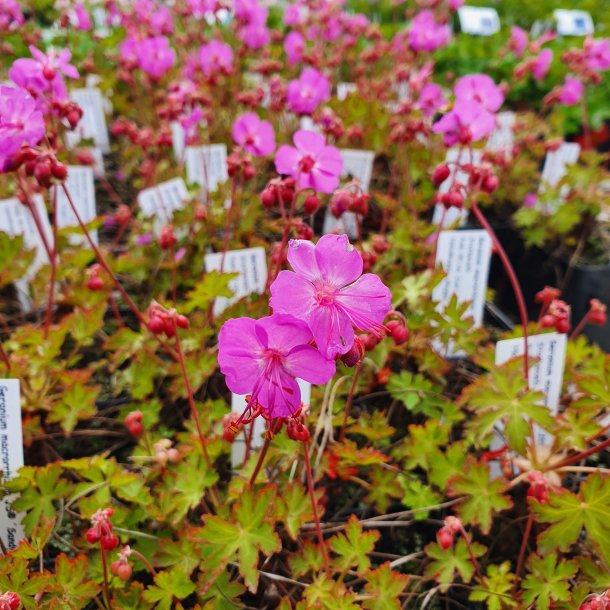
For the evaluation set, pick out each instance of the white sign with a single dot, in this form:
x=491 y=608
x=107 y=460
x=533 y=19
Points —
x=79 y=185
x=503 y=137
x=11 y=458
x=238 y=405
x=479 y=20
x=451 y=216
x=178 y=139
x=161 y=200
x=251 y=266
x=93 y=122
x=555 y=166
x=546 y=375
x=306 y=123
x=206 y=165
x=345 y=89
x=573 y=23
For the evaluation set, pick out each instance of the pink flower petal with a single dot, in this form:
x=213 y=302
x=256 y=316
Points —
x=332 y=331
x=339 y=262
x=309 y=142
x=307 y=363
x=302 y=258
x=293 y=294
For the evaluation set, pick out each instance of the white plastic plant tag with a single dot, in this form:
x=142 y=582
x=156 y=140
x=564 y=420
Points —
x=161 y=200
x=206 y=165
x=465 y=257
x=99 y=19
x=554 y=169
x=11 y=458
x=93 y=122
x=306 y=123
x=345 y=89
x=251 y=266
x=82 y=191
x=256 y=429
x=573 y=22
x=479 y=20
x=178 y=139
x=503 y=137
x=546 y=375
x=453 y=215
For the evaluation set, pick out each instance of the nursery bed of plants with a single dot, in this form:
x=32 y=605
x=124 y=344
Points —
x=303 y=305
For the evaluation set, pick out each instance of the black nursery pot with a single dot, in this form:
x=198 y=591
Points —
x=536 y=269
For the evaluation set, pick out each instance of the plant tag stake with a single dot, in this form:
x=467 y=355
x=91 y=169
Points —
x=502 y=138
x=465 y=257
x=454 y=156
x=479 y=20
x=11 y=458
x=357 y=164
x=555 y=164
x=345 y=89
x=238 y=405
x=161 y=200
x=82 y=190
x=92 y=125
x=251 y=266
x=573 y=23
x=206 y=165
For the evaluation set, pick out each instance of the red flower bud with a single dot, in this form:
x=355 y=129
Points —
x=355 y=354
x=444 y=537
x=440 y=174
x=311 y=204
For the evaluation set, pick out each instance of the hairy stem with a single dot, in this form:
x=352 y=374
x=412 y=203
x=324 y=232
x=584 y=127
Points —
x=350 y=400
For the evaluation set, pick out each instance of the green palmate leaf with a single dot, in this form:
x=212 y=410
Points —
x=14 y=576
x=71 y=583
x=15 y=260
x=446 y=564
x=169 y=584
x=417 y=494
x=77 y=402
x=384 y=586
x=131 y=599
x=547 y=581
x=29 y=549
x=501 y=396
x=308 y=559
x=444 y=466
x=568 y=513
x=495 y=590
x=484 y=497
x=327 y=594
x=212 y=285
x=294 y=508
x=415 y=287
x=384 y=488
x=248 y=533
x=180 y=552
x=422 y=444
x=224 y=594
x=353 y=547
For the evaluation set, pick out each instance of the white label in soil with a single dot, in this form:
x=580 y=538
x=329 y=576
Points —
x=345 y=89
x=573 y=23
x=479 y=20
x=206 y=165
x=161 y=200
x=11 y=458
x=502 y=138
x=82 y=191
x=546 y=375
x=453 y=158
x=251 y=266
x=93 y=122
x=465 y=258
x=555 y=164
x=306 y=123
x=178 y=139
x=238 y=405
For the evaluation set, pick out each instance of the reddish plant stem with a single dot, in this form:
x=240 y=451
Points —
x=105 y=568
x=273 y=428
x=585 y=123
x=583 y=454
x=144 y=561
x=473 y=559
x=350 y=400
x=314 y=508
x=526 y=536
x=580 y=326
x=248 y=436
x=514 y=283
x=53 y=262
x=38 y=224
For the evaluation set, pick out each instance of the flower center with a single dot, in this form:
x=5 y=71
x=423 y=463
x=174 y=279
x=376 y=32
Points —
x=324 y=295
x=306 y=164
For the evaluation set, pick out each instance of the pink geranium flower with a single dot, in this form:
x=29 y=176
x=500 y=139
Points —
x=216 y=57
x=571 y=91
x=479 y=88
x=518 y=40
x=155 y=56
x=328 y=291
x=294 y=45
x=425 y=34
x=307 y=92
x=255 y=35
x=254 y=135
x=542 y=63
x=21 y=122
x=11 y=16
x=597 y=54
x=83 y=20
x=467 y=122
x=263 y=358
x=430 y=99
x=311 y=162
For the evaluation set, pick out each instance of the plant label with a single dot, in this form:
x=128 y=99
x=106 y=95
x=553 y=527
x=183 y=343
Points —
x=479 y=20
x=11 y=458
x=251 y=266
x=573 y=22
x=455 y=157
x=82 y=191
x=178 y=139
x=256 y=429
x=545 y=375
x=306 y=123
x=554 y=169
x=92 y=125
x=206 y=165
x=345 y=89
x=163 y=199
x=502 y=138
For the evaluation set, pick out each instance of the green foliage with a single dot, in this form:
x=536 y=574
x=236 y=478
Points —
x=547 y=581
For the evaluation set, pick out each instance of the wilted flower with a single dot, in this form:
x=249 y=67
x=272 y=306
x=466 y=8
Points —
x=254 y=135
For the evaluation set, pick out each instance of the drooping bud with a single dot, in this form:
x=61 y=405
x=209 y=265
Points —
x=440 y=174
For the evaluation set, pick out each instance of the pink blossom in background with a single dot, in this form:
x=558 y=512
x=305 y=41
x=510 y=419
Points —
x=308 y=91
x=479 y=88
x=328 y=291
x=199 y=8
x=21 y=122
x=293 y=15
x=355 y=24
x=571 y=91
x=530 y=200
x=250 y=10
x=597 y=54
x=216 y=57
x=11 y=16
x=294 y=45
x=128 y=52
x=155 y=56
x=190 y=124
x=83 y=20
x=161 y=21
x=467 y=122
x=255 y=35
x=542 y=63
x=425 y=34
x=263 y=358
x=454 y=5
x=310 y=162
x=254 y=135
x=430 y=99
x=58 y=62
x=518 y=40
